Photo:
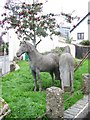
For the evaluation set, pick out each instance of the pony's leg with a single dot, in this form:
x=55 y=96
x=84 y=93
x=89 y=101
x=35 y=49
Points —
x=51 y=73
x=35 y=81
x=39 y=80
x=57 y=74
x=62 y=83
x=72 y=88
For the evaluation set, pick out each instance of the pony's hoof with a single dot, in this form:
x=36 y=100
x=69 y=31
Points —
x=72 y=91
x=40 y=89
x=35 y=89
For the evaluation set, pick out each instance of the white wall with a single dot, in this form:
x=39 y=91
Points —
x=82 y=27
x=13 y=45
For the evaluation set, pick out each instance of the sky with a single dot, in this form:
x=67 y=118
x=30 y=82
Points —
x=76 y=7
x=80 y=6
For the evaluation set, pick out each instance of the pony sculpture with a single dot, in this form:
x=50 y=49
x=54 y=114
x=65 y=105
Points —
x=66 y=68
x=40 y=63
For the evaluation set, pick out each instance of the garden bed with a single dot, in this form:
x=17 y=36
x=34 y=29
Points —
x=17 y=90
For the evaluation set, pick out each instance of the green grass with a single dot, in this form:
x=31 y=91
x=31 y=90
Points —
x=17 y=90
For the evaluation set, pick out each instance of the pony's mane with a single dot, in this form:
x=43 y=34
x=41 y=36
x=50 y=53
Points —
x=31 y=46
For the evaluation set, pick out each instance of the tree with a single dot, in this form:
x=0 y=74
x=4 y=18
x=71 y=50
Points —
x=29 y=21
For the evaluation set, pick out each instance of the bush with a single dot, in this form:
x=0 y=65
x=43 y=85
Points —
x=85 y=42
x=57 y=50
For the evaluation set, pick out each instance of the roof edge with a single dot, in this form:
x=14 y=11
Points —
x=80 y=21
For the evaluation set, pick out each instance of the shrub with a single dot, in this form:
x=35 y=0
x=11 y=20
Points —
x=85 y=42
x=57 y=50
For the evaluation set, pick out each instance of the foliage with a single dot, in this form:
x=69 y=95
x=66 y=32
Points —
x=85 y=42
x=17 y=90
x=57 y=50
x=29 y=21
x=1 y=48
x=69 y=17
x=69 y=40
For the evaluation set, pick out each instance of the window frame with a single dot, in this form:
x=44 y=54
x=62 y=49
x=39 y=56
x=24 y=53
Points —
x=80 y=36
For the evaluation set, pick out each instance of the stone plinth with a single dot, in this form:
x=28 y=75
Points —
x=86 y=83
x=54 y=103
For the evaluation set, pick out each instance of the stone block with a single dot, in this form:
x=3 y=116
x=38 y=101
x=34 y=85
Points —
x=54 y=103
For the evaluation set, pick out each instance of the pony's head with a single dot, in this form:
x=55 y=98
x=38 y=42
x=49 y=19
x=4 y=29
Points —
x=25 y=47
x=22 y=49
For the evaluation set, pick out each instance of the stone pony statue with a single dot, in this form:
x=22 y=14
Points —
x=40 y=63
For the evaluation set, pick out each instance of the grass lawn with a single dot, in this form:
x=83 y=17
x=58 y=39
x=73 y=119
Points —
x=17 y=90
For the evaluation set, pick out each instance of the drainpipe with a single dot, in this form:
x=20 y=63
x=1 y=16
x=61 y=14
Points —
x=89 y=20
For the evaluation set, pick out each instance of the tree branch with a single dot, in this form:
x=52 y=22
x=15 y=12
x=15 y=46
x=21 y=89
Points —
x=38 y=42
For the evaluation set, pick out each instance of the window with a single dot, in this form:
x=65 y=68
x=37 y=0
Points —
x=66 y=33
x=80 y=36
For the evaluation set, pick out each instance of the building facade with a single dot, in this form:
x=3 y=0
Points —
x=80 y=31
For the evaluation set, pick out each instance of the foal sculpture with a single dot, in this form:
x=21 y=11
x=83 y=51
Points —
x=40 y=63
x=66 y=68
